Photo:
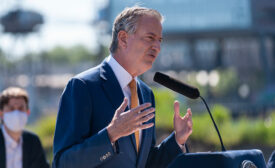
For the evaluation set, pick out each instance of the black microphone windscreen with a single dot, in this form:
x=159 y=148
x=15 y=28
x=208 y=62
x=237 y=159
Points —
x=176 y=85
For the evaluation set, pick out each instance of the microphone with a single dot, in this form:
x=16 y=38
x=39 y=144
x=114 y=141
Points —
x=176 y=85
x=186 y=90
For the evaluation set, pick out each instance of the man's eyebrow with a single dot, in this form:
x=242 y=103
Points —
x=153 y=34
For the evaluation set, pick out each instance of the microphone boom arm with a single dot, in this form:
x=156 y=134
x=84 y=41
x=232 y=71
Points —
x=223 y=148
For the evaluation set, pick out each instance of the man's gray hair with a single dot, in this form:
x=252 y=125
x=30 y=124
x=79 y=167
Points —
x=127 y=20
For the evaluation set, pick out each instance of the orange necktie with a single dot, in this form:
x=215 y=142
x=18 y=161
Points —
x=134 y=103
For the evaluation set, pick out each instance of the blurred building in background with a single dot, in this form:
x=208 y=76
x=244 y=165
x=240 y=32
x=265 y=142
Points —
x=203 y=36
x=209 y=34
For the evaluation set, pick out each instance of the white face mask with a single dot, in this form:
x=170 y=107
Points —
x=15 y=120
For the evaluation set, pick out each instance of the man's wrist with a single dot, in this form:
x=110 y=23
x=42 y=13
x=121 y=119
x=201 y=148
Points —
x=179 y=140
x=110 y=134
x=182 y=147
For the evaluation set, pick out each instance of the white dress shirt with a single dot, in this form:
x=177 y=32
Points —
x=124 y=78
x=14 y=151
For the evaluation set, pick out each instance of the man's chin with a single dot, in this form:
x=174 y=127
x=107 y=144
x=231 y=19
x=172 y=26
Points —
x=148 y=66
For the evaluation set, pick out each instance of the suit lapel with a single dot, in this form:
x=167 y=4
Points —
x=143 y=98
x=141 y=101
x=2 y=150
x=113 y=90
x=111 y=86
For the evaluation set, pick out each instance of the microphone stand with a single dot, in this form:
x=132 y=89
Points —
x=223 y=148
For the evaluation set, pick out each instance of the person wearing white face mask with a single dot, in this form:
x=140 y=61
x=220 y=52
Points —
x=18 y=148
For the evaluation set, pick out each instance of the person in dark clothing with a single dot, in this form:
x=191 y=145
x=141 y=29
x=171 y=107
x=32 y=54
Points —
x=18 y=148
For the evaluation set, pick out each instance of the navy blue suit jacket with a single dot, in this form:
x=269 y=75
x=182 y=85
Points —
x=271 y=161
x=87 y=106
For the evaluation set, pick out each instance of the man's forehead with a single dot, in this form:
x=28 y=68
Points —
x=150 y=24
x=17 y=101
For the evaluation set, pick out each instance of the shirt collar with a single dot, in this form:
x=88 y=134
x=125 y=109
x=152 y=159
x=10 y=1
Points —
x=123 y=77
x=9 y=141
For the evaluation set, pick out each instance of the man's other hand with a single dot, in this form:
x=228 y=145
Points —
x=182 y=125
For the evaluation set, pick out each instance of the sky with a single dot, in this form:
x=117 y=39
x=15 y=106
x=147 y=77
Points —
x=67 y=23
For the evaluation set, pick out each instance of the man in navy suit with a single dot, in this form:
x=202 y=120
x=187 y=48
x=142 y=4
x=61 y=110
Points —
x=96 y=126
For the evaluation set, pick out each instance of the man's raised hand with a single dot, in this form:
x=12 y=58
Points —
x=126 y=123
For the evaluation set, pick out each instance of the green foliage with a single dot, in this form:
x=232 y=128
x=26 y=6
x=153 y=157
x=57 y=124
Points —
x=2 y=58
x=270 y=124
x=221 y=114
x=228 y=83
x=164 y=108
x=234 y=132
x=44 y=128
x=61 y=55
x=5 y=63
x=202 y=130
x=259 y=132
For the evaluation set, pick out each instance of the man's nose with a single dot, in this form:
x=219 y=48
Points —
x=156 y=46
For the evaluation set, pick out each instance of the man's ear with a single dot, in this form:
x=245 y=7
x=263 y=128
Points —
x=28 y=112
x=1 y=117
x=1 y=114
x=122 y=38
